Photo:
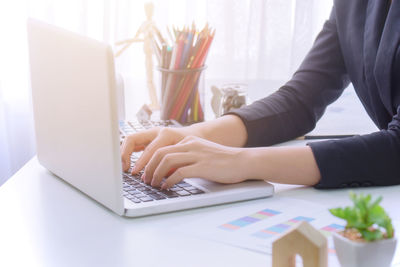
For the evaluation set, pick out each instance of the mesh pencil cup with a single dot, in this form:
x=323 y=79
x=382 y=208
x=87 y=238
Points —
x=182 y=95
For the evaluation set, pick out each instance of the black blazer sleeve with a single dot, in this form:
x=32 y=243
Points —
x=366 y=160
x=295 y=108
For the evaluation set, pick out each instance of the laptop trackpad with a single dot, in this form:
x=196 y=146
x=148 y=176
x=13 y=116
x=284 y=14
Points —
x=209 y=186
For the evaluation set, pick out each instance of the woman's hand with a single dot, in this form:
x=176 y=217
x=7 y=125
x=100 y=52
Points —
x=195 y=157
x=219 y=130
x=150 y=141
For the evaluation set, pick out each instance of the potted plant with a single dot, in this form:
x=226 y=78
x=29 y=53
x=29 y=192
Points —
x=368 y=238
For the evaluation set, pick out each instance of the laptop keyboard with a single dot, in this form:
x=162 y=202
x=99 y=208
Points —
x=134 y=188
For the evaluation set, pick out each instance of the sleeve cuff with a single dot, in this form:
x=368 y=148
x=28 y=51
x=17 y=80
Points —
x=336 y=172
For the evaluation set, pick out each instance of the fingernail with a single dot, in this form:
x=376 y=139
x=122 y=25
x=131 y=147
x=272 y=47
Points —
x=134 y=169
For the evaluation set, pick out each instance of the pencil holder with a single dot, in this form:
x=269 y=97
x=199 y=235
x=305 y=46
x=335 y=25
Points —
x=182 y=95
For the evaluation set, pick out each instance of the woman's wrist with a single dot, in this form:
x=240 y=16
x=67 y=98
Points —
x=198 y=129
x=290 y=165
x=228 y=130
x=255 y=163
x=245 y=164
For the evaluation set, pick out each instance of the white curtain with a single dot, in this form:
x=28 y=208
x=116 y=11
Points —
x=255 y=40
x=16 y=127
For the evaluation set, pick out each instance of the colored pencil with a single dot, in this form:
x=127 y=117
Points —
x=181 y=72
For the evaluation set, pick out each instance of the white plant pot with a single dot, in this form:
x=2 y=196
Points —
x=368 y=254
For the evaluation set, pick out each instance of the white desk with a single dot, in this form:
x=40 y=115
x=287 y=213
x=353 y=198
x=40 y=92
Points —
x=45 y=222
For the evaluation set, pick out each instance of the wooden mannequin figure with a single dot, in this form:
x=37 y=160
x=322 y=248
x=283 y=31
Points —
x=146 y=34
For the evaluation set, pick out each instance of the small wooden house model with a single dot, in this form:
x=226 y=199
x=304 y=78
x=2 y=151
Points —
x=303 y=240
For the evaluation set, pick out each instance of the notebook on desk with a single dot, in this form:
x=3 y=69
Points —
x=78 y=132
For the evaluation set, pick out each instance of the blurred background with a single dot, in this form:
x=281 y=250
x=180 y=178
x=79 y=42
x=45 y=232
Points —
x=255 y=40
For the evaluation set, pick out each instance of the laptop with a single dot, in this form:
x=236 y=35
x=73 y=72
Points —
x=78 y=132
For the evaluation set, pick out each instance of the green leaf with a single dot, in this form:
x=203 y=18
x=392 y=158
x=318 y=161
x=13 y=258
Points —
x=377 y=215
x=376 y=202
x=389 y=229
x=387 y=225
x=338 y=212
x=371 y=235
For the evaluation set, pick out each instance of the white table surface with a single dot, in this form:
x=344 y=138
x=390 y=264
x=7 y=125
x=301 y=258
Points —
x=46 y=222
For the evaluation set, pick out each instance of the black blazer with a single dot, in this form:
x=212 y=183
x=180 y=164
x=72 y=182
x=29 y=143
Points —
x=358 y=44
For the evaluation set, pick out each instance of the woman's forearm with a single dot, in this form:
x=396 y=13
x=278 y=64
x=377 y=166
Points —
x=288 y=165
x=228 y=130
